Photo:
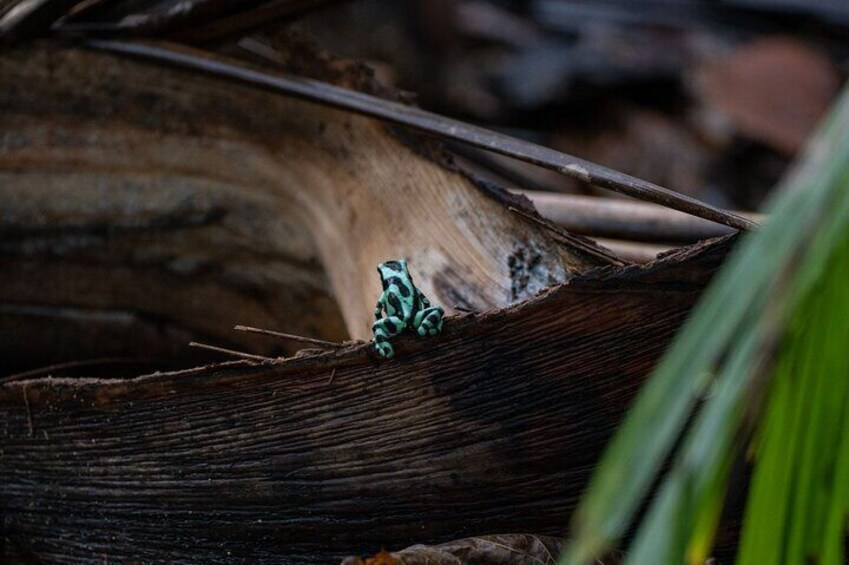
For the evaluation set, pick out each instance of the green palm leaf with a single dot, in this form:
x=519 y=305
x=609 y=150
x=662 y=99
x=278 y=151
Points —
x=770 y=331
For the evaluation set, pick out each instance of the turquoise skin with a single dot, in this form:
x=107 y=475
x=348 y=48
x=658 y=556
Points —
x=405 y=307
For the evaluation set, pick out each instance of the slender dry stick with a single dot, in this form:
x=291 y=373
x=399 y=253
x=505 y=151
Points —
x=73 y=365
x=241 y=354
x=621 y=218
x=291 y=337
x=416 y=118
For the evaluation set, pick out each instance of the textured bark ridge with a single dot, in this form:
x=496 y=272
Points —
x=493 y=426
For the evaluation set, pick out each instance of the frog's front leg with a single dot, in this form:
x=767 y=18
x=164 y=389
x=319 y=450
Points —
x=384 y=329
x=429 y=321
x=378 y=308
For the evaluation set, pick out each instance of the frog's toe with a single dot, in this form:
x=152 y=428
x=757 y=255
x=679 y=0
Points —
x=429 y=330
x=430 y=322
x=384 y=349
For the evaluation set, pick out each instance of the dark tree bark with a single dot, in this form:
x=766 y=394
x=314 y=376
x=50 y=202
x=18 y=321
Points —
x=492 y=427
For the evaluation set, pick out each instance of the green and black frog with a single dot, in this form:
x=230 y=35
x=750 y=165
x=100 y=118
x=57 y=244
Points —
x=405 y=307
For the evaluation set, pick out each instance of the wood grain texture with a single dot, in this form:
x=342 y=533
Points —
x=274 y=204
x=493 y=426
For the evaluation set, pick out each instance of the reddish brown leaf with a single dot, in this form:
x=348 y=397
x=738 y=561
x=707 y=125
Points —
x=772 y=90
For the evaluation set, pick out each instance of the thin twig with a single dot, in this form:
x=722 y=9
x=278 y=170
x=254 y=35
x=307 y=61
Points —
x=241 y=354
x=416 y=118
x=459 y=308
x=622 y=218
x=292 y=337
x=576 y=242
x=332 y=376
x=74 y=365
x=30 y=426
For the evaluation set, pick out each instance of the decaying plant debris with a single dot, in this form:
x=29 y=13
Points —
x=461 y=434
x=146 y=206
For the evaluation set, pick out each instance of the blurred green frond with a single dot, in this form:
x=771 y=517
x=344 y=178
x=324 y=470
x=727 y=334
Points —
x=767 y=343
x=799 y=491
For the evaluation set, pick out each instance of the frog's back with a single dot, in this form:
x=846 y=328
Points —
x=401 y=295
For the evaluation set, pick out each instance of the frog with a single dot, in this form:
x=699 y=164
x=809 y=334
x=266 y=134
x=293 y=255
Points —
x=405 y=306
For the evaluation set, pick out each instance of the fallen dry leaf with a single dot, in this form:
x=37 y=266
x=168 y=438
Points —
x=771 y=90
x=506 y=549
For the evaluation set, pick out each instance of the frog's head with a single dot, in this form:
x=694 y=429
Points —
x=393 y=269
